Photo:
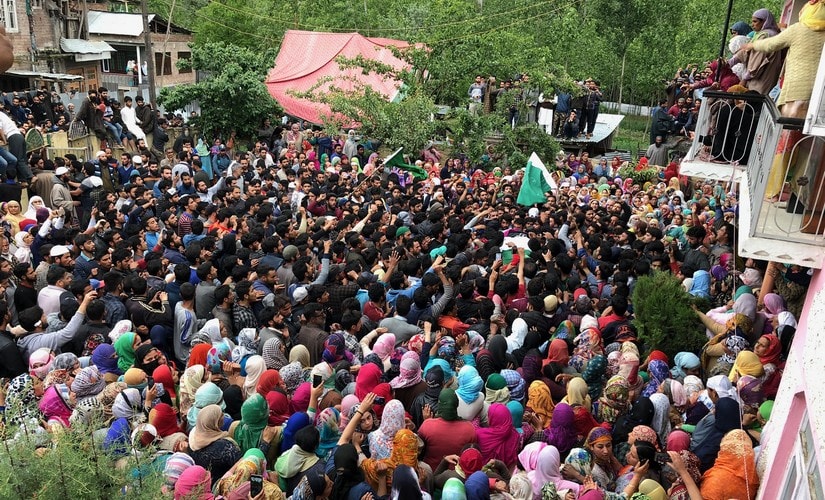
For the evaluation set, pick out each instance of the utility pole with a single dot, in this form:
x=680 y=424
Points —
x=149 y=54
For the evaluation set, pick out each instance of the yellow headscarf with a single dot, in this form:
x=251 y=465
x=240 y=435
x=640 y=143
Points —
x=747 y=363
x=540 y=401
x=577 y=393
x=812 y=16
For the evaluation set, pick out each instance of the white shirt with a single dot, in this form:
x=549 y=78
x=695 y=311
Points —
x=8 y=126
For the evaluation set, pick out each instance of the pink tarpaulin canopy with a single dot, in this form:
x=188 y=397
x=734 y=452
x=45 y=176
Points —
x=307 y=57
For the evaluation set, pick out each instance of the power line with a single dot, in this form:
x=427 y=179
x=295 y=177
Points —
x=480 y=18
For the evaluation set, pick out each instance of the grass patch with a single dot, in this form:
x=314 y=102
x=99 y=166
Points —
x=633 y=134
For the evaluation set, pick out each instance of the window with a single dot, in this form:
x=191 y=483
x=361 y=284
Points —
x=37 y=4
x=163 y=63
x=104 y=65
x=8 y=15
x=184 y=56
x=802 y=479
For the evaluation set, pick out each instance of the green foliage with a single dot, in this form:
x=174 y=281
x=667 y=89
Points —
x=233 y=97
x=469 y=131
x=69 y=467
x=664 y=319
x=639 y=176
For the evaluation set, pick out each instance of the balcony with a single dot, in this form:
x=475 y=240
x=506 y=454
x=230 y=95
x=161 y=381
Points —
x=726 y=129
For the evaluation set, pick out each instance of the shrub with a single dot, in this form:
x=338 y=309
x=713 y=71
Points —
x=67 y=465
x=664 y=319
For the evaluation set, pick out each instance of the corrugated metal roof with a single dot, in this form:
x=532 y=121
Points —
x=43 y=76
x=116 y=23
x=80 y=46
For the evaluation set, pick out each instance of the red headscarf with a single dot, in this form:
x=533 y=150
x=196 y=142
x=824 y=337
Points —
x=163 y=374
x=774 y=350
x=557 y=352
x=278 y=407
x=369 y=376
x=165 y=420
x=270 y=379
x=382 y=391
x=198 y=355
x=657 y=355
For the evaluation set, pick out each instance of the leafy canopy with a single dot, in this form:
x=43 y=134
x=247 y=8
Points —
x=233 y=96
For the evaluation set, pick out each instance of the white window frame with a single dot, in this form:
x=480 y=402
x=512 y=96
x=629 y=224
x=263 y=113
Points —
x=104 y=66
x=815 y=119
x=802 y=477
x=8 y=10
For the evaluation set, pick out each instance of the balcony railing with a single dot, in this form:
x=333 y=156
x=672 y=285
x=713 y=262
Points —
x=788 y=187
x=724 y=136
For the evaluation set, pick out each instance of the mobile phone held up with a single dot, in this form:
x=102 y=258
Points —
x=316 y=380
x=256 y=485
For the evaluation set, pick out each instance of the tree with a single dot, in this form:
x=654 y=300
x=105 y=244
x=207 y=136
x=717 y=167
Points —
x=233 y=96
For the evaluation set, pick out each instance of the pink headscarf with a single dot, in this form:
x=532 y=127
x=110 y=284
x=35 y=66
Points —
x=548 y=471
x=300 y=400
x=529 y=456
x=410 y=371
x=194 y=479
x=384 y=346
x=40 y=362
x=678 y=440
x=347 y=403
x=500 y=440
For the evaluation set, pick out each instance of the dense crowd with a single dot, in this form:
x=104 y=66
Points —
x=295 y=319
x=344 y=330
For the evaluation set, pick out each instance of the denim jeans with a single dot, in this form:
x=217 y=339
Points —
x=6 y=159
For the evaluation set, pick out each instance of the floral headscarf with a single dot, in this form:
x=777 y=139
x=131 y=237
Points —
x=392 y=421
x=292 y=374
x=614 y=400
x=658 y=371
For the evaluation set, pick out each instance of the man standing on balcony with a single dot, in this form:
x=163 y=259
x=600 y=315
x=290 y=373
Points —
x=146 y=116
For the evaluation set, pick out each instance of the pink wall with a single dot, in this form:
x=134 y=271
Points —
x=801 y=388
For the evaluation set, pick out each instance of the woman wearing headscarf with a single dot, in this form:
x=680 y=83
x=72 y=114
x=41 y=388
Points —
x=747 y=363
x=499 y=440
x=641 y=413
x=588 y=344
x=558 y=352
x=293 y=376
x=23 y=241
x=392 y=421
x=562 y=431
x=254 y=417
x=733 y=474
x=327 y=423
x=165 y=420
x=494 y=358
x=195 y=480
x=659 y=372
x=190 y=382
x=408 y=384
x=708 y=435
x=540 y=402
x=270 y=380
x=207 y=394
x=614 y=400
x=88 y=383
x=769 y=350
x=548 y=470
x=350 y=483
x=209 y=445
x=701 y=285
x=197 y=356
x=445 y=434
x=300 y=399
x=235 y=485
x=684 y=364
x=56 y=405
x=453 y=490
x=496 y=390
x=255 y=367
x=125 y=347
x=762 y=68
x=661 y=416
x=274 y=353
x=593 y=375
x=470 y=395
x=369 y=376
x=404 y=452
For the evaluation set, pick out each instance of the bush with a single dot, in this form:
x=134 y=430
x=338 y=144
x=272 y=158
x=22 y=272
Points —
x=639 y=177
x=664 y=319
x=70 y=466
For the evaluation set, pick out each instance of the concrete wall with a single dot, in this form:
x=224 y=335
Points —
x=800 y=389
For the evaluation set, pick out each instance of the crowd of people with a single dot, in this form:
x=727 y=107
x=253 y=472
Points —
x=295 y=319
x=298 y=321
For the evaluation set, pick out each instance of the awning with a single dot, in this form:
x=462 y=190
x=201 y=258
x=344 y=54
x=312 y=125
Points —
x=116 y=23
x=44 y=76
x=86 y=50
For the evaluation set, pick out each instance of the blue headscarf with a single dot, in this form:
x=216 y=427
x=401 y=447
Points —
x=681 y=361
x=295 y=423
x=701 y=285
x=469 y=384
x=445 y=367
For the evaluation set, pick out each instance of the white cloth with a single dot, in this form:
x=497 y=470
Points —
x=129 y=118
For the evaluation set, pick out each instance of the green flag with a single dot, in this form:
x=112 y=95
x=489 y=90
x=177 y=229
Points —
x=397 y=160
x=535 y=183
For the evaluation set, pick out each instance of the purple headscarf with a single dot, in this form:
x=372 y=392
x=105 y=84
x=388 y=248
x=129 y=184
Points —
x=769 y=25
x=562 y=431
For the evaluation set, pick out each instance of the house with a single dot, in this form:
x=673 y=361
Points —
x=75 y=50
x=779 y=166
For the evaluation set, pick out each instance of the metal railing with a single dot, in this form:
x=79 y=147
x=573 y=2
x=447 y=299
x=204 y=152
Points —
x=726 y=128
x=788 y=187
